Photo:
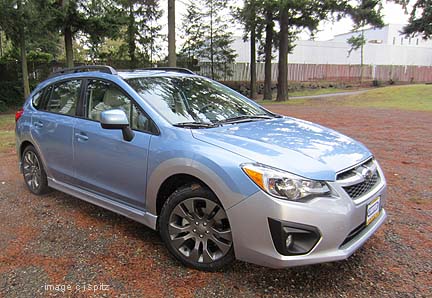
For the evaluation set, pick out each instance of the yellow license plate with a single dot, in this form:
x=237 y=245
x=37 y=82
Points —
x=373 y=210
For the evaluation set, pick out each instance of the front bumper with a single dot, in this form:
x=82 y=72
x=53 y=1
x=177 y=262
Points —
x=335 y=218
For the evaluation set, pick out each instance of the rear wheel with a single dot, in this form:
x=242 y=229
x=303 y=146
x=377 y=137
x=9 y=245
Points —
x=33 y=171
x=195 y=229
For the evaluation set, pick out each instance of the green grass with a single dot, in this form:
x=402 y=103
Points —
x=411 y=97
x=307 y=92
x=7 y=131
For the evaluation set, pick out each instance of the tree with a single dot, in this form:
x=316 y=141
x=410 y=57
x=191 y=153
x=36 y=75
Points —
x=295 y=16
x=14 y=20
x=193 y=34
x=142 y=28
x=420 y=20
x=250 y=17
x=102 y=20
x=171 y=34
x=67 y=17
x=22 y=46
x=215 y=39
x=269 y=8
x=362 y=13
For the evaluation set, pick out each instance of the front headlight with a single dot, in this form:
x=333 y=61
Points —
x=284 y=185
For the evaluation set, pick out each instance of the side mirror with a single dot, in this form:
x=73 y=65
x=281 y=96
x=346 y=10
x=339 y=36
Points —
x=117 y=119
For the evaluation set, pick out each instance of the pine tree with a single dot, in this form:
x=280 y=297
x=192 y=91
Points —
x=194 y=34
x=250 y=16
x=420 y=21
x=142 y=29
x=102 y=20
x=208 y=37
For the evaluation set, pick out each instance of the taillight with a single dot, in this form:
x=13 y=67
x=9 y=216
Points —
x=18 y=114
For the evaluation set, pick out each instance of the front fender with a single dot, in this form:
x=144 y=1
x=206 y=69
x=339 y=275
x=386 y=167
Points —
x=229 y=183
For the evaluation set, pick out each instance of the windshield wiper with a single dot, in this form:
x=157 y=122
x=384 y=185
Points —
x=196 y=124
x=245 y=118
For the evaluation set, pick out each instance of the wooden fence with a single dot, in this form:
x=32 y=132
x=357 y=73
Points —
x=328 y=72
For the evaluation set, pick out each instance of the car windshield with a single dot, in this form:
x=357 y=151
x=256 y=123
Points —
x=196 y=100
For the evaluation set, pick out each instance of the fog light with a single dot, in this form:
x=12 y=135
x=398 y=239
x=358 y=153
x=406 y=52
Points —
x=293 y=238
x=288 y=241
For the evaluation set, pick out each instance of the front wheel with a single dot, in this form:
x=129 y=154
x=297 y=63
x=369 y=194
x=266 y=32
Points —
x=195 y=229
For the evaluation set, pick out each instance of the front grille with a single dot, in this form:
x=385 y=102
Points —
x=357 y=190
x=354 y=233
x=360 y=180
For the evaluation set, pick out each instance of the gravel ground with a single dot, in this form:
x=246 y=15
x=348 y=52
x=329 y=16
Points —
x=59 y=240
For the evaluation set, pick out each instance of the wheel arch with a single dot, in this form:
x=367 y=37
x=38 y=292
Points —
x=174 y=182
x=174 y=173
x=24 y=144
x=22 y=147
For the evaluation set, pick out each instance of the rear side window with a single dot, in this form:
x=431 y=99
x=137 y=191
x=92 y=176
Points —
x=64 y=98
x=37 y=100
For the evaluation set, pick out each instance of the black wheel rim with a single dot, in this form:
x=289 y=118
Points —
x=199 y=230
x=32 y=170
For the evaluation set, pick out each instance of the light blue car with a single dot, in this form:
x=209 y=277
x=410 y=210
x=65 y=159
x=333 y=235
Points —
x=219 y=176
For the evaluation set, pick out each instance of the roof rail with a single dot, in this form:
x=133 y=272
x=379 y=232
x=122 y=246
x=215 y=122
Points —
x=84 y=68
x=173 y=69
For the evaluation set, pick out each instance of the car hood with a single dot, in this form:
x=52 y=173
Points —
x=300 y=147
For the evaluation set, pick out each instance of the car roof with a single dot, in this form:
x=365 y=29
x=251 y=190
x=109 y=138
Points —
x=105 y=69
x=130 y=74
x=107 y=72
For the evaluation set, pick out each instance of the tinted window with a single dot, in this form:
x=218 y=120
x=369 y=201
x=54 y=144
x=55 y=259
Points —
x=103 y=96
x=64 y=98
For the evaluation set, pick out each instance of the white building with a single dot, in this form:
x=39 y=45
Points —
x=385 y=46
x=388 y=35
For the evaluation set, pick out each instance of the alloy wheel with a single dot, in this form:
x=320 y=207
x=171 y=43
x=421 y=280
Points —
x=199 y=230
x=32 y=170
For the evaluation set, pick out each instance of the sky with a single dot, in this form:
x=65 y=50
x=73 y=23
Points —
x=393 y=14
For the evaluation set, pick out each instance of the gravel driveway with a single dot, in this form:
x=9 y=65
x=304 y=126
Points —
x=57 y=245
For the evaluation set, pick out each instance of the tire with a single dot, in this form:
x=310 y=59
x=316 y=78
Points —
x=33 y=172
x=195 y=229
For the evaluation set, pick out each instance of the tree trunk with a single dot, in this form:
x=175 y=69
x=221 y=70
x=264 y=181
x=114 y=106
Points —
x=253 y=74
x=211 y=42
x=67 y=32
x=268 y=57
x=68 y=46
x=22 y=44
x=282 y=88
x=1 y=43
x=361 y=57
x=172 y=59
x=131 y=37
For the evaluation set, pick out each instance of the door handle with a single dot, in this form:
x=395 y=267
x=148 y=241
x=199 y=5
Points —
x=38 y=124
x=81 y=137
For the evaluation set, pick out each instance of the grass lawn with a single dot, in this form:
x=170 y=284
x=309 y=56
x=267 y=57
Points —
x=409 y=97
x=7 y=131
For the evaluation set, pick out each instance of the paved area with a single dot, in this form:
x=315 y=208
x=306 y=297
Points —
x=329 y=94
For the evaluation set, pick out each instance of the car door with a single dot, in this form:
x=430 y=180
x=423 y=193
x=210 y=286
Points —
x=104 y=162
x=52 y=128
